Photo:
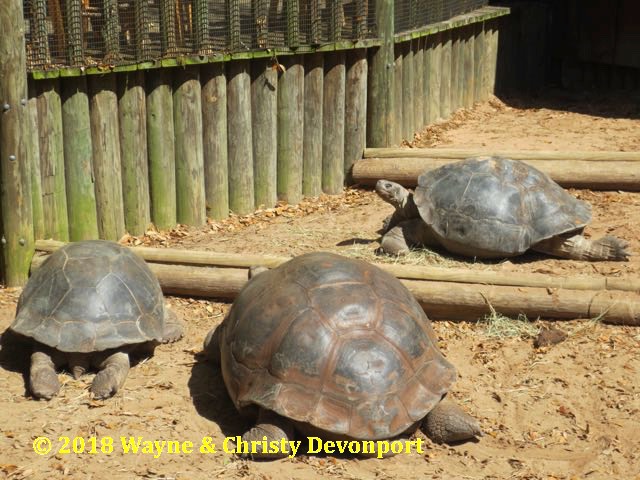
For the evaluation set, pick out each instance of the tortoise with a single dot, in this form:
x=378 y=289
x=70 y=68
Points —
x=491 y=207
x=91 y=304
x=335 y=347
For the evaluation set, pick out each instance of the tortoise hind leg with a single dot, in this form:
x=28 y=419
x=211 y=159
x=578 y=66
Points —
x=113 y=372
x=577 y=247
x=272 y=426
x=448 y=423
x=43 y=380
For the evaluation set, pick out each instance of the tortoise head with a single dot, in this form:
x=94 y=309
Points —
x=392 y=192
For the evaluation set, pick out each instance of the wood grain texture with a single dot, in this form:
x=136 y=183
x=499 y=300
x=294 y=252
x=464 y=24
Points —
x=408 y=82
x=290 y=130
x=333 y=123
x=264 y=118
x=445 y=75
x=15 y=196
x=133 y=152
x=54 y=193
x=106 y=156
x=187 y=124
x=79 y=175
x=435 y=77
x=214 y=127
x=161 y=148
x=312 y=138
x=380 y=100
x=32 y=135
x=239 y=140
x=355 y=109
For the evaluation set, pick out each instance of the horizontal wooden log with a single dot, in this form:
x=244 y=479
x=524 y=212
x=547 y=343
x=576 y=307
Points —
x=468 y=301
x=611 y=175
x=460 y=153
x=410 y=272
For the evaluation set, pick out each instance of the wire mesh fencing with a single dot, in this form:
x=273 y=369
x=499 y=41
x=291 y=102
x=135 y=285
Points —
x=113 y=32
x=61 y=33
x=414 y=14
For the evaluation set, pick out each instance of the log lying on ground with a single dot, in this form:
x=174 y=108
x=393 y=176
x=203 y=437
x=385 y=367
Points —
x=610 y=175
x=409 y=272
x=595 y=175
x=461 y=153
x=441 y=300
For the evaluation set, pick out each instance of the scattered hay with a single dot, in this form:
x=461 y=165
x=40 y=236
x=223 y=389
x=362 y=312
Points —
x=500 y=326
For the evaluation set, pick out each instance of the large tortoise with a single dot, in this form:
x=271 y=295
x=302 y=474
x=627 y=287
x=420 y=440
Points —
x=90 y=304
x=336 y=348
x=492 y=207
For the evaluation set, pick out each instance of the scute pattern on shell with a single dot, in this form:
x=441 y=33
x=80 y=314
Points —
x=494 y=204
x=335 y=343
x=91 y=296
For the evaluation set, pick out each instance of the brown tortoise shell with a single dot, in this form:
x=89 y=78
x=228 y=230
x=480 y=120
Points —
x=336 y=343
x=91 y=296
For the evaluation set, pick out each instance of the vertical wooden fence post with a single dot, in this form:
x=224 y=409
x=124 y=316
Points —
x=76 y=127
x=214 y=127
x=187 y=121
x=418 y=83
x=312 y=138
x=490 y=57
x=380 y=102
x=445 y=75
x=290 y=130
x=240 y=149
x=54 y=192
x=435 y=77
x=428 y=64
x=456 y=73
x=408 y=79
x=106 y=155
x=264 y=118
x=333 y=124
x=468 y=47
x=397 y=127
x=161 y=148
x=33 y=144
x=355 y=109
x=478 y=61
x=132 y=118
x=15 y=198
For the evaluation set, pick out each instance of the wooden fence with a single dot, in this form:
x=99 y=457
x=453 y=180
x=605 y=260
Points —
x=106 y=153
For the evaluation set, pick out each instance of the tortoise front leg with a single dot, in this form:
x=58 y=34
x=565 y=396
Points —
x=274 y=428
x=407 y=235
x=43 y=380
x=113 y=372
x=173 y=327
x=211 y=347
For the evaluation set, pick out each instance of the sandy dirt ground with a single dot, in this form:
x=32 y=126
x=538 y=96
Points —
x=566 y=411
